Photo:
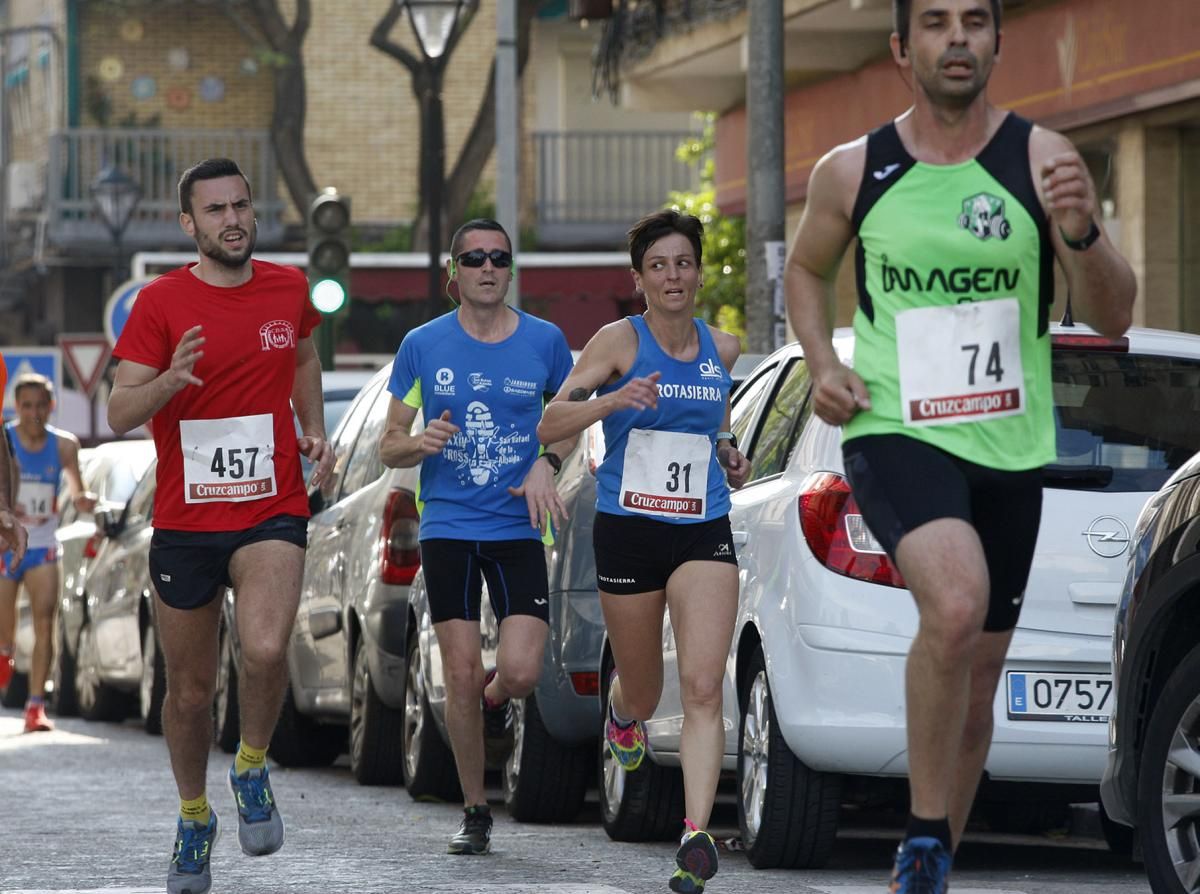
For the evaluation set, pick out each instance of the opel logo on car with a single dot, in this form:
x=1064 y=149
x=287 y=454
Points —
x=1107 y=536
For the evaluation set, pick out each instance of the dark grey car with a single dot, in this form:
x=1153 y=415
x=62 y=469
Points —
x=1152 y=779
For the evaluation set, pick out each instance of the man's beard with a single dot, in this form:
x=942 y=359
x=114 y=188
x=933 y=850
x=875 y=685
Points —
x=216 y=250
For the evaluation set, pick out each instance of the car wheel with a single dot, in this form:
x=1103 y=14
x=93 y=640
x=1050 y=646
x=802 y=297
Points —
x=644 y=805
x=227 y=729
x=544 y=781
x=66 y=701
x=299 y=741
x=1168 y=812
x=97 y=700
x=16 y=692
x=376 y=731
x=153 y=688
x=429 y=769
x=788 y=813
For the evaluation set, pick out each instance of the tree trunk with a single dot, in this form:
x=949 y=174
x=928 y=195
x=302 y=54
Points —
x=287 y=135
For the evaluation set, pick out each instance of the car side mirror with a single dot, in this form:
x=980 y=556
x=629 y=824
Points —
x=108 y=521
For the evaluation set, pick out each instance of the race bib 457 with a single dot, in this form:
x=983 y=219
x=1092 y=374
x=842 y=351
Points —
x=228 y=460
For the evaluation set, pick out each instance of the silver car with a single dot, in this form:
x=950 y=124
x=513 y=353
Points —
x=346 y=657
x=111 y=471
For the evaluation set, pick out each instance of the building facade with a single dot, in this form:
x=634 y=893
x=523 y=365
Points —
x=1121 y=78
x=151 y=87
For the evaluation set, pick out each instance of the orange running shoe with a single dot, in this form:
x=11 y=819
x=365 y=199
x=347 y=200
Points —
x=36 y=720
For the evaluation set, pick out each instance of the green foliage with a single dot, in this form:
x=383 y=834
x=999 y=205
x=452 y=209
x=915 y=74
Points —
x=722 y=301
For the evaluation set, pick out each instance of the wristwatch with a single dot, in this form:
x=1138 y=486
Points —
x=1081 y=244
x=727 y=436
x=554 y=459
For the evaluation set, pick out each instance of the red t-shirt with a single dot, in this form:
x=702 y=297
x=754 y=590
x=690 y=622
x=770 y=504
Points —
x=227 y=453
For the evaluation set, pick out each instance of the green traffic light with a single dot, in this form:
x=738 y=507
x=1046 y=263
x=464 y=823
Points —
x=328 y=296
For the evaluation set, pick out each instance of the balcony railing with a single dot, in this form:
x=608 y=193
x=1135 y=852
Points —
x=592 y=185
x=154 y=158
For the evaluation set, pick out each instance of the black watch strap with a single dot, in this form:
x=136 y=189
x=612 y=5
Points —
x=1081 y=244
x=554 y=459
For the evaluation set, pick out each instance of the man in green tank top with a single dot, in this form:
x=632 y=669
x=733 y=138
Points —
x=960 y=209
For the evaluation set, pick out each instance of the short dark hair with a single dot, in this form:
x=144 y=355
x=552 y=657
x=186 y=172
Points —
x=902 y=19
x=654 y=226
x=478 y=223
x=209 y=169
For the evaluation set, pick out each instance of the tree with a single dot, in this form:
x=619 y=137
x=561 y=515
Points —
x=461 y=184
x=291 y=103
x=722 y=301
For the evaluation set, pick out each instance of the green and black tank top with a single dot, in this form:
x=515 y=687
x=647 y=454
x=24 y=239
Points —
x=955 y=281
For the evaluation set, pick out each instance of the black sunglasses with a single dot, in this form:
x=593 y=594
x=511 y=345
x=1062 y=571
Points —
x=475 y=258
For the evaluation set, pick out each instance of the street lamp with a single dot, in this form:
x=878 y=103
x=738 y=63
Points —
x=433 y=22
x=115 y=194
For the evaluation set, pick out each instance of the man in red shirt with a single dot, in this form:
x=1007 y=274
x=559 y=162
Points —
x=214 y=355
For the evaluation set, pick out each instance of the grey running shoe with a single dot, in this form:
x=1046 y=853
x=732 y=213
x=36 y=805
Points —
x=189 y=872
x=474 y=836
x=260 y=827
x=497 y=727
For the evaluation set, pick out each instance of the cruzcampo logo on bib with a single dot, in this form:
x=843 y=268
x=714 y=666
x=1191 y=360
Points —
x=983 y=216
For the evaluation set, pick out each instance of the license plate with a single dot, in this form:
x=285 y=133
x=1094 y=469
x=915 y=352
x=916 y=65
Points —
x=1074 y=698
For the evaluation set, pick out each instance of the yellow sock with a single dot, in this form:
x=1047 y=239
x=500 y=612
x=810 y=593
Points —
x=195 y=810
x=249 y=759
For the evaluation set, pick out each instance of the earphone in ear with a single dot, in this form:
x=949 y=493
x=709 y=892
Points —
x=453 y=268
x=512 y=270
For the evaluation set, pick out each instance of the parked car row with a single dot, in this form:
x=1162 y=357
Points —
x=814 y=690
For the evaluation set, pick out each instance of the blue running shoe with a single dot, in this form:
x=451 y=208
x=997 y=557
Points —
x=189 y=872
x=683 y=882
x=922 y=866
x=260 y=827
x=697 y=853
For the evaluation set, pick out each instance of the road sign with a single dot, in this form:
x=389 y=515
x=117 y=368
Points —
x=86 y=356
x=46 y=361
x=120 y=303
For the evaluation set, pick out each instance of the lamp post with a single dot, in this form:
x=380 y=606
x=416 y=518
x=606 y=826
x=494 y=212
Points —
x=115 y=194
x=433 y=22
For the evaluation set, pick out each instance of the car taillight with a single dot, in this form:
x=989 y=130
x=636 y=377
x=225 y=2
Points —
x=92 y=546
x=837 y=535
x=586 y=682
x=1089 y=342
x=398 y=539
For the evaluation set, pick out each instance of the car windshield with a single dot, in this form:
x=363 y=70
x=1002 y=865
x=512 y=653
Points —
x=121 y=480
x=1124 y=421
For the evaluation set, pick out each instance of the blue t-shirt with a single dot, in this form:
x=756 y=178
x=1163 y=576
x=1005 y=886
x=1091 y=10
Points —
x=691 y=401
x=495 y=394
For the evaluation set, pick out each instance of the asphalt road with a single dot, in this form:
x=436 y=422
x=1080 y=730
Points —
x=91 y=807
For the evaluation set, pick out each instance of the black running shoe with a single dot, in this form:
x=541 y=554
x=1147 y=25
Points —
x=497 y=727
x=474 y=836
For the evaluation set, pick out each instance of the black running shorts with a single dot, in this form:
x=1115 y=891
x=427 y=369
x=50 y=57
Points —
x=189 y=568
x=901 y=483
x=515 y=571
x=638 y=555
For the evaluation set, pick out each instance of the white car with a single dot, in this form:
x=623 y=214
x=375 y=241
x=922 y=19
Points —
x=814 y=693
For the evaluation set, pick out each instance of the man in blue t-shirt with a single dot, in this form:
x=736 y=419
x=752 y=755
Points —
x=481 y=376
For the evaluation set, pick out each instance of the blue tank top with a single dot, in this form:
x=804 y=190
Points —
x=38 y=491
x=662 y=463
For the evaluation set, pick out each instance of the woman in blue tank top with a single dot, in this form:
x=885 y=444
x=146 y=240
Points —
x=661 y=535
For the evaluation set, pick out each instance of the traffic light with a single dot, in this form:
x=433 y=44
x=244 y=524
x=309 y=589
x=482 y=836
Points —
x=328 y=228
